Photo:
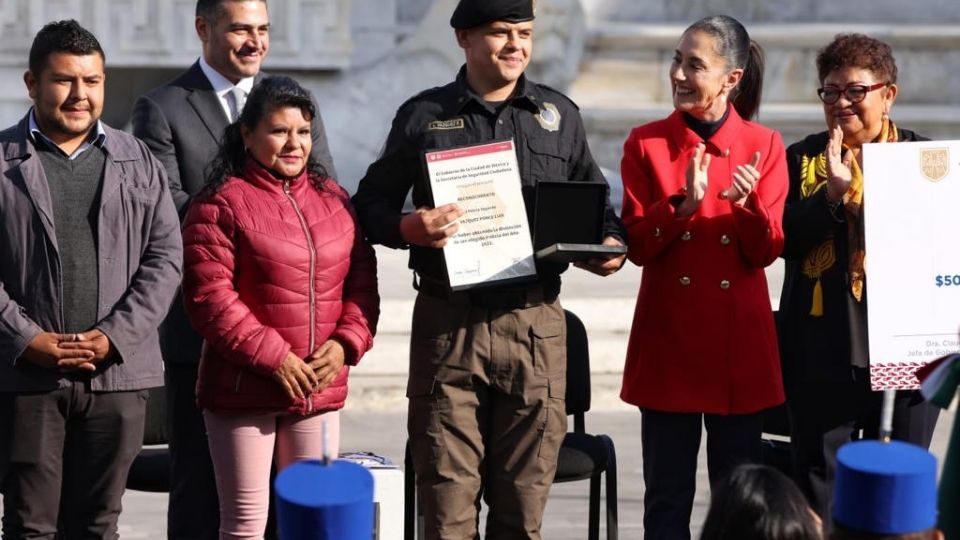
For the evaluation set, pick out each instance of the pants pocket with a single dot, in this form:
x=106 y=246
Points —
x=549 y=342
x=425 y=409
x=555 y=423
x=427 y=354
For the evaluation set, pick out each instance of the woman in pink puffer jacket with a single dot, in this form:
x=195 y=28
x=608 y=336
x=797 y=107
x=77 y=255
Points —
x=282 y=286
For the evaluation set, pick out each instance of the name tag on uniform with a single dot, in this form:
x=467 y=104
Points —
x=445 y=125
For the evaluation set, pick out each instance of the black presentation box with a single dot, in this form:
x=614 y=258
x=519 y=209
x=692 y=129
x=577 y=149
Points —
x=568 y=222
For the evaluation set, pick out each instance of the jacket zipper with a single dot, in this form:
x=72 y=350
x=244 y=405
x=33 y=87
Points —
x=313 y=264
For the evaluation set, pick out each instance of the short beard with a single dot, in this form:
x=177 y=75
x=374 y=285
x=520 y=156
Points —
x=60 y=127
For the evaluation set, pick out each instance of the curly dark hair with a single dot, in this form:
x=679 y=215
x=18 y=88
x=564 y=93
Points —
x=857 y=51
x=62 y=37
x=267 y=96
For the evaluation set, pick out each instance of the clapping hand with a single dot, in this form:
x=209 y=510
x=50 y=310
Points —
x=838 y=166
x=696 y=181
x=745 y=179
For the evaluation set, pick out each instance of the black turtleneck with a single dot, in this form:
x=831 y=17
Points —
x=703 y=128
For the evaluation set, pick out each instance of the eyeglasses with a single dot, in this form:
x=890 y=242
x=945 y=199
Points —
x=854 y=92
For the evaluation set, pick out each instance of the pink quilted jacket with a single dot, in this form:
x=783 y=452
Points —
x=273 y=266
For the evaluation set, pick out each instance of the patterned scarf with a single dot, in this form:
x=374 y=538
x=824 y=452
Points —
x=813 y=172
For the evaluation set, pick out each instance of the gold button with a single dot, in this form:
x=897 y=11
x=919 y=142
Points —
x=724 y=284
x=726 y=153
x=686 y=235
x=684 y=281
x=656 y=232
x=725 y=239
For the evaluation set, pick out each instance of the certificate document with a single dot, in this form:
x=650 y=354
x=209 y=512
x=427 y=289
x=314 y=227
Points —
x=493 y=241
x=911 y=193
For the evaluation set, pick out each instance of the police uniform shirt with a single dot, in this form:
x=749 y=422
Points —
x=549 y=138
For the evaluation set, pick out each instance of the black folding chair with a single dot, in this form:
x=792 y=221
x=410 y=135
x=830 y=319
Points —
x=775 y=451
x=150 y=470
x=584 y=455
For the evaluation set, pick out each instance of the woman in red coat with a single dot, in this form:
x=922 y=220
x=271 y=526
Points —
x=703 y=201
x=282 y=286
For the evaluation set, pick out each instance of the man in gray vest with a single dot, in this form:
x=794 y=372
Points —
x=91 y=259
x=182 y=122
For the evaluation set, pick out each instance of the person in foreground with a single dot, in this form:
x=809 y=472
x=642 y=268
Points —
x=757 y=502
x=823 y=306
x=703 y=198
x=487 y=366
x=282 y=286
x=91 y=259
x=885 y=491
x=182 y=122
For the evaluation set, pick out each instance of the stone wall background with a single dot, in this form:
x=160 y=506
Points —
x=363 y=58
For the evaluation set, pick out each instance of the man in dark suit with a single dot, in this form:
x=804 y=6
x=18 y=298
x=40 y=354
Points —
x=181 y=122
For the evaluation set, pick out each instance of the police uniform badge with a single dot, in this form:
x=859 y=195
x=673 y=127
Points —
x=934 y=163
x=549 y=117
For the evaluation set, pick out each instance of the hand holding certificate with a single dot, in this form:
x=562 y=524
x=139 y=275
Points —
x=913 y=265
x=431 y=227
x=492 y=239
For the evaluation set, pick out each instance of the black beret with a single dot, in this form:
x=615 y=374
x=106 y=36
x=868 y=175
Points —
x=472 y=13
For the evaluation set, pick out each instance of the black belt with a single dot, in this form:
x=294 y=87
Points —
x=503 y=297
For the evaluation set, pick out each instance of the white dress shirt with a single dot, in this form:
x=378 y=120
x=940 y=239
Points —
x=223 y=87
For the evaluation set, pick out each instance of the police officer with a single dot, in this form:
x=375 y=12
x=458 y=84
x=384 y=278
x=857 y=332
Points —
x=487 y=367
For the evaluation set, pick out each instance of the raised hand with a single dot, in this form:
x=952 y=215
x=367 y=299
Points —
x=430 y=227
x=696 y=181
x=838 y=166
x=745 y=179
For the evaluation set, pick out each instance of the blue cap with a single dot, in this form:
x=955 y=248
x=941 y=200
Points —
x=325 y=502
x=885 y=488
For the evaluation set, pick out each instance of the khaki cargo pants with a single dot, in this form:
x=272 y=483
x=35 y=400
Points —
x=486 y=414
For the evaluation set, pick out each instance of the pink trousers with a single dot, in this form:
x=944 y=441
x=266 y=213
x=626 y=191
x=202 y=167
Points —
x=243 y=448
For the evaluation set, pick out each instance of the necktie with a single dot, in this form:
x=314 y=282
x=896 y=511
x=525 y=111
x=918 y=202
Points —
x=235 y=99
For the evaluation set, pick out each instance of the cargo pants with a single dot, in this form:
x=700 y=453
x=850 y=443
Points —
x=486 y=413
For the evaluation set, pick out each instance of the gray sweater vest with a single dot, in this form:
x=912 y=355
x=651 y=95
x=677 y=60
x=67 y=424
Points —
x=75 y=187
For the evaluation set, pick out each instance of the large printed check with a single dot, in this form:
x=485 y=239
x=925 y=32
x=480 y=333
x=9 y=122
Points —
x=912 y=232
x=493 y=242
